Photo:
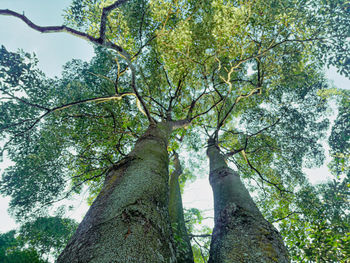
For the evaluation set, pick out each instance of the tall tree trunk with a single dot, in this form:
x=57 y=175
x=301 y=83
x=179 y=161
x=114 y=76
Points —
x=241 y=234
x=182 y=241
x=129 y=220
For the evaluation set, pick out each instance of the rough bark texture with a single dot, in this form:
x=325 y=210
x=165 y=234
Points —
x=129 y=220
x=241 y=234
x=182 y=241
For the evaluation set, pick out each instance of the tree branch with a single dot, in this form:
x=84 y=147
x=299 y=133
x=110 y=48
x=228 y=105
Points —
x=24 y=101
x=252 y=92
x=58 y=29
x=99 y=41
x=105 y=12
x=266 y=128
x=264 y=179
x=180 y=124
x=280 y=219
x=202 y=235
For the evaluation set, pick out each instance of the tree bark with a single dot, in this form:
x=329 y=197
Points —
x=182 y=241
x=129 y=220
x=241 y=234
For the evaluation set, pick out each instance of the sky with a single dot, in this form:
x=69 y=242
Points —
x=54 y=50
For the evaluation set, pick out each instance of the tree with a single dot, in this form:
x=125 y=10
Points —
x=164 y=71
x=176 y=214
x=11 y=252
x=35 y=241
x=47 y=235
x=317 y=227
x=241 y=232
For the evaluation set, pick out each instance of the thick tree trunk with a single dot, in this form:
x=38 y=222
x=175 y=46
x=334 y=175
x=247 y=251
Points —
x=182 y=241
x=129 y=220
x=241 y=234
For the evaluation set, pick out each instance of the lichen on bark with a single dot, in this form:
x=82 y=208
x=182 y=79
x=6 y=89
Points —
x=182 y=241
x=241 y=234
x=129 y=220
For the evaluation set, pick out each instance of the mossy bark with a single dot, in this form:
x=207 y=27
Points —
x=129 y=220
x=182 y=241
x=241 y=234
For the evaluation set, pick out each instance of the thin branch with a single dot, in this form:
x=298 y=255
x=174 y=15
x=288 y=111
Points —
x=99 y=41
x=48 y=111
x=58 y=29
x=172 y=98
x=24 y=101
x=200 y=248
x=252 y=92
x=194 y=102
x=266 y=128
x=202 y=235
x=73 y=189
x=206 y=111
x=156 y=102
x=290 y=214
x=2 y=128
x=264 y=179
x=105 y=12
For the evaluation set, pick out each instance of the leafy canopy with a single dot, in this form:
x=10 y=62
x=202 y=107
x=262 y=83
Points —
x=246 y=72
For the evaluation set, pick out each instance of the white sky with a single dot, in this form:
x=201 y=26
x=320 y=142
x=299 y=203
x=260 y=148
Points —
x=54 y=50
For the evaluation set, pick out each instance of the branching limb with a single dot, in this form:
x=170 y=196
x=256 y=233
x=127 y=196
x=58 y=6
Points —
x=99 y=41
x=252 y=92
x=23 y=100
x=262 y=177
x=180 y=124
x=58 y=29
x=105 y=12
x=266 y=128
x=290 y=214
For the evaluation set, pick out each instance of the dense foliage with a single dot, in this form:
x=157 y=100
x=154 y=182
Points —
x=249 y=73
x=37 y=240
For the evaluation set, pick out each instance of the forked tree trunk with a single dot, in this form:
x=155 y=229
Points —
x=182 y=241
x=129 y=220
x=241 y=234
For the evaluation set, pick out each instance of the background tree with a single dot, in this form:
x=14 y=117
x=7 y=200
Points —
x=36 y=241
x=318 y=226
x=11 y=250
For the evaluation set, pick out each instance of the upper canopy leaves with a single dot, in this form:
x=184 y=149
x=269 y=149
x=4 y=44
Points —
x=247 y=72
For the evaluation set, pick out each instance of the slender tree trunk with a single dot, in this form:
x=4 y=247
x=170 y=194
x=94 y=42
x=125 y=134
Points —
x=129 y=220
x=241 y=234
x=182 y=241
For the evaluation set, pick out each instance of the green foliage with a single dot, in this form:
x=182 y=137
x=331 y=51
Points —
x=36 y=240
x=200 y=235
x=320 y=230
x=315 y=223
x=251 y=71
x=47 y=235
x=11 y=250
x=332 y=18
x=53 y=139
x=339 y=140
